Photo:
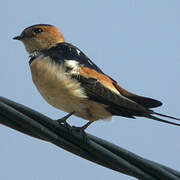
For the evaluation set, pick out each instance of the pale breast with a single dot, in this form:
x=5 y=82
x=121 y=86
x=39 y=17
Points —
x=62 y=92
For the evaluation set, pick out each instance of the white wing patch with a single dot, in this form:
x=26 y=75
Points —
x=78 y=51
x=71 y=63
x=90 y=62
x=74 y=65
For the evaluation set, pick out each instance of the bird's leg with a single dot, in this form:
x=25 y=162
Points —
x=82 y=128
x=64 y=119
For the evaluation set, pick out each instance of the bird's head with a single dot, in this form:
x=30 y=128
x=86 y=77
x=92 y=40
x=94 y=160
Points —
x=40 y=37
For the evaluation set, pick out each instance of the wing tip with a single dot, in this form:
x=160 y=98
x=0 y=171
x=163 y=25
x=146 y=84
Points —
x=143 y=101
x=146 y=102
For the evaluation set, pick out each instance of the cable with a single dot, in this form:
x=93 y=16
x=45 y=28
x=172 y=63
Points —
x=35 y=124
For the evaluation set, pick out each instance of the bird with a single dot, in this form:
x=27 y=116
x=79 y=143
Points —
x=68 y=80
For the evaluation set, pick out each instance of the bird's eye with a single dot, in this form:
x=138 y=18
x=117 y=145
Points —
x=37 y=30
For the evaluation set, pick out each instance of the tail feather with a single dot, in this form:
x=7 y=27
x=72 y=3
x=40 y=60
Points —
x=162 y=120
x=163 y=115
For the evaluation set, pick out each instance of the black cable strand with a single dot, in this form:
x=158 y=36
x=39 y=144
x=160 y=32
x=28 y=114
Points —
x=97 y=150
x=122 y=165
x=150 y=167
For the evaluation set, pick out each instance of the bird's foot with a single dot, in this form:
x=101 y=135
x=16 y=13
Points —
x=64 y=120
x=81 y=130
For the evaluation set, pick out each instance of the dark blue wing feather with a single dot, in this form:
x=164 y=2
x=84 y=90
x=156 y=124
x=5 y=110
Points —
x=66 y=51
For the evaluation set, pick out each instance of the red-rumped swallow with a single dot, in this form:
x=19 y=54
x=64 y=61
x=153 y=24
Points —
x=68 y=80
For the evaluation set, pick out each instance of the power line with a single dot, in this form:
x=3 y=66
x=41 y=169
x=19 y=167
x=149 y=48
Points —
x=35 y=124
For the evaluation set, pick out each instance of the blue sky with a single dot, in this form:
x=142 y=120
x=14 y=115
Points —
x=136 y=42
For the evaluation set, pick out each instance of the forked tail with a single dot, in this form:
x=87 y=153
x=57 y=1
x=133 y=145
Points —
x=162 y=120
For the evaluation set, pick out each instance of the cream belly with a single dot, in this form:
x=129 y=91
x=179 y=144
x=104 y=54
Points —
x=62 y=92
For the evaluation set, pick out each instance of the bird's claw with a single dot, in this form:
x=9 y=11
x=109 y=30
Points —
x=81 y=131
x=63 y=120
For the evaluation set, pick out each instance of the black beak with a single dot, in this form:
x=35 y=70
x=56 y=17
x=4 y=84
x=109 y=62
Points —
x=18 y=37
